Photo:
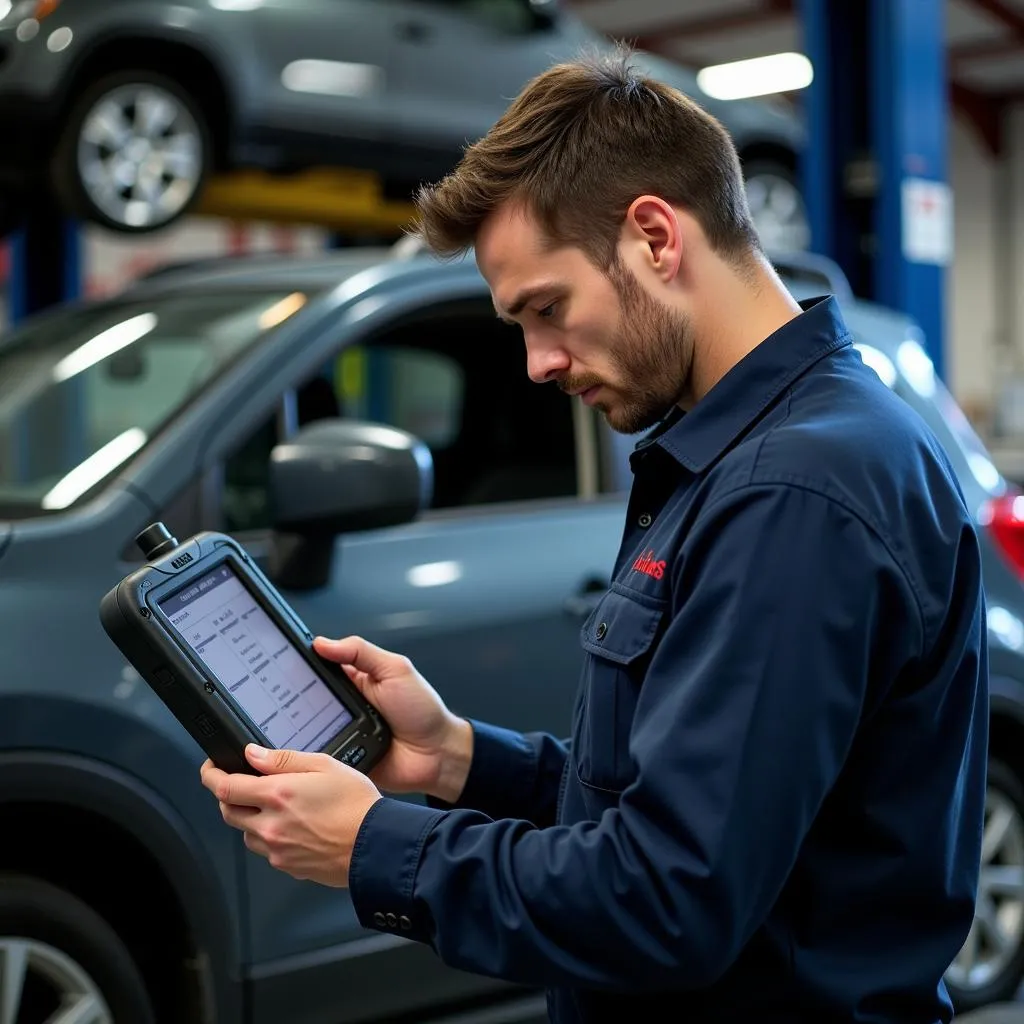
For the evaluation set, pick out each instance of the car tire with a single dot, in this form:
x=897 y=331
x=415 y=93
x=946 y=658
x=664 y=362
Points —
x=777 y=206
x=68 y=952
x=981 y=975
x=112 y=169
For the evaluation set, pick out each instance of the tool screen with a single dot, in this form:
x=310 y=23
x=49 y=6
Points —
x=255 y=663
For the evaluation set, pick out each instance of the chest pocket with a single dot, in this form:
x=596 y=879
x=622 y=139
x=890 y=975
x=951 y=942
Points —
x=619 y=637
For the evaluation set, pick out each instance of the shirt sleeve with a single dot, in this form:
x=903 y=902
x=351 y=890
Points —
x=791 y=607
x=512 y=775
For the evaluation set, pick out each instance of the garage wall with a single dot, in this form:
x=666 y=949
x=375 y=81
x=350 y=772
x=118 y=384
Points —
x=112 y=261
x=1015 y=283
x=985 y=292
x=971 y=321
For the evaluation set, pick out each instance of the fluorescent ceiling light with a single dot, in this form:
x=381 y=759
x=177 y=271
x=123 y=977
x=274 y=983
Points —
x=760 y=76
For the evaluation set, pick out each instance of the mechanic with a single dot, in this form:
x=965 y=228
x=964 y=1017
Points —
x=771 y=807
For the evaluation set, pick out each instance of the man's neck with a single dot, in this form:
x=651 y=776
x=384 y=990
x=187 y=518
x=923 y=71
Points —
x=738 y=314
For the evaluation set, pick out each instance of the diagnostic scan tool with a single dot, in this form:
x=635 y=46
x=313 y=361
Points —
x=231 y=660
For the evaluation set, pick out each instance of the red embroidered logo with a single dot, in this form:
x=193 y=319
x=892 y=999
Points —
x=647 y=564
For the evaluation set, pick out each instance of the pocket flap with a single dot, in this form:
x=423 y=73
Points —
x=621 y=628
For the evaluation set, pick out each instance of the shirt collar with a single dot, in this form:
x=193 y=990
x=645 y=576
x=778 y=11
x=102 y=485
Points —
x=699 y=437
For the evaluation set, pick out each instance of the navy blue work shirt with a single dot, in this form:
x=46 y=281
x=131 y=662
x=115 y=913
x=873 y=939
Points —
x=771 y=807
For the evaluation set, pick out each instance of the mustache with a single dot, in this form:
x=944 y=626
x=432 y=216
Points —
x=574 y=385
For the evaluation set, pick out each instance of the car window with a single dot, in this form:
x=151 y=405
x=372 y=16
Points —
x=417 y=390
x=456 y=378
x=84 y=388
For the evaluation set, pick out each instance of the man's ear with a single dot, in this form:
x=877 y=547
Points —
x=653 y=225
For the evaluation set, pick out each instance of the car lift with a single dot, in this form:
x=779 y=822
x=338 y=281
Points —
x=875 y=166
x=46 y=259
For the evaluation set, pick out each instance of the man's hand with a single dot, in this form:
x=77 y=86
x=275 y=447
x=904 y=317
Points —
x=302 y=814
x=431 y=748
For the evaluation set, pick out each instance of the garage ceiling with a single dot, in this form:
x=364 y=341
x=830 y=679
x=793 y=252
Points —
x=985 y=53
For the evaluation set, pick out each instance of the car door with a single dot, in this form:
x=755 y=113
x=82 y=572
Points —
x=325 y=71
x=460 y=63
x=486 y=592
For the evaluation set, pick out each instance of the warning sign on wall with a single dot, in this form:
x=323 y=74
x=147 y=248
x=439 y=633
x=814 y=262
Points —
x=927 y=221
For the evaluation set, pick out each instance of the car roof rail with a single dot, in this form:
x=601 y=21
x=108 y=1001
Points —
x=813 y=269
x=809 y=267
x=225 y=260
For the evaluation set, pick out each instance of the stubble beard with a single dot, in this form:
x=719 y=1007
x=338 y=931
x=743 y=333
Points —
x=653 y=354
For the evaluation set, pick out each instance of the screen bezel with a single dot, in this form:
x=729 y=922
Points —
x=165 y=591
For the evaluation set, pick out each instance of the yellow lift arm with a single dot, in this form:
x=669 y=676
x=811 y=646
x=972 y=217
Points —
x=336 y=198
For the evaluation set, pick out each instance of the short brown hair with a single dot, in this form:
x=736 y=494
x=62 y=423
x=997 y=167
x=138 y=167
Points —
x=578 y=145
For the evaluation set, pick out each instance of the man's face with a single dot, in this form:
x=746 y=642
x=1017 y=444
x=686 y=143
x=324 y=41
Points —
x=601 y=336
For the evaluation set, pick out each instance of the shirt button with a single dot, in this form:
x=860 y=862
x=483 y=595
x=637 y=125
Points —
x=405 y=923
x=392 y=920
x=645 y=520
x=379 y=920
x=601 y=630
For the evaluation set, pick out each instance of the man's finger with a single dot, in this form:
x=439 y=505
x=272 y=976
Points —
x=211 y=776
x=355 y=651
x=243 y=790
x=257 y=845
x=361 y=679
x=239 y=817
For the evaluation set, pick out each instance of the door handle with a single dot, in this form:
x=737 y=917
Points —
x=413 y=31
x=587 y=598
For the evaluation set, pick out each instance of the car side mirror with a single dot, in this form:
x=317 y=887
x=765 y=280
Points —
x=544 y=14
x=340 y=476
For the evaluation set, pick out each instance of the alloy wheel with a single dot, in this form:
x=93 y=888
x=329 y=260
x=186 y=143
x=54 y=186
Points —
x=778 y=211
x=40 y=984
x=997 y=933
x=140 y=155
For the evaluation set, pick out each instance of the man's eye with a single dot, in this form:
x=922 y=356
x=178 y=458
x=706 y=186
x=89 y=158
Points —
x=547 y=311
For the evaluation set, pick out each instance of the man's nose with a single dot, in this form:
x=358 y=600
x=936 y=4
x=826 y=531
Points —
x=543 y=362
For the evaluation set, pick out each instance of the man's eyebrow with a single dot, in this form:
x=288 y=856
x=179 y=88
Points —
x=518 y=304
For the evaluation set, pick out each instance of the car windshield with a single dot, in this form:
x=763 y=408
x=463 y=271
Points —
x=83 y=388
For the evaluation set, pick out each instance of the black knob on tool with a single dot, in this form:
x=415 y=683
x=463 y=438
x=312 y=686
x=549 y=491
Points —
x=156 y=540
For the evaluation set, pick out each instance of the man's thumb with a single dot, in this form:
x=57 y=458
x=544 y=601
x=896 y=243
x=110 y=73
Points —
x=355 y=651
x=276 y=762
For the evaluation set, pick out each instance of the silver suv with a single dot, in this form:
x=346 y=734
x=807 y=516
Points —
x=121 y=891
x=125 y=109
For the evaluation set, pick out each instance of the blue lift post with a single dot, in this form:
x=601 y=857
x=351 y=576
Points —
x=875 y=166
x=46 y=263
x=45 y=270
